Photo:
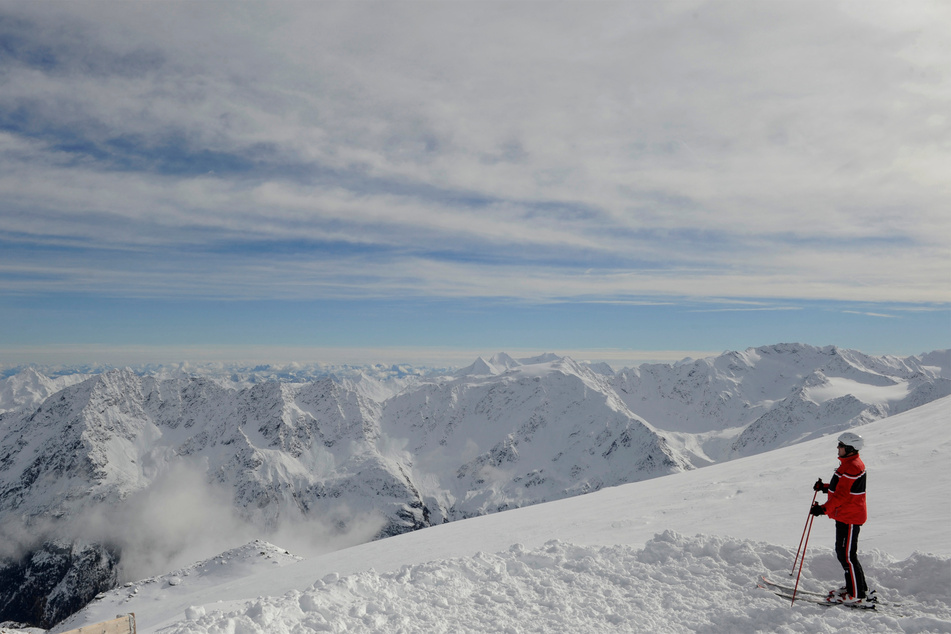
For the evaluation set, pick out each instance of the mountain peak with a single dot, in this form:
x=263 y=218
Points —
x=503 y=360
x=480 y=367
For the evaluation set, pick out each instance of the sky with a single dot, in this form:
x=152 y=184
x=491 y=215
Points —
x=430 y=181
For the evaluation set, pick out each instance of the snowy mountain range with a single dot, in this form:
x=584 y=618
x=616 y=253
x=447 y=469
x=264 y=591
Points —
x=682 y=553
x=89 y=458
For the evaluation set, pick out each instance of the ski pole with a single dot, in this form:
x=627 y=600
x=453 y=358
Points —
x=803 y=559
x=808 y=517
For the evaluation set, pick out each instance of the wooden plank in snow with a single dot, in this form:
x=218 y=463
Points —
x=122 y=624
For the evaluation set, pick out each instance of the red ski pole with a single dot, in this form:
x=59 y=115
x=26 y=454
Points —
x=803 y=559
x=808 y=517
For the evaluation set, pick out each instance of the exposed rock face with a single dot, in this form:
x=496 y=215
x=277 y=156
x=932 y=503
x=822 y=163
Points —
x=54 y=580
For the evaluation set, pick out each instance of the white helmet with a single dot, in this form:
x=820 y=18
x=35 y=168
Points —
x=853 y=440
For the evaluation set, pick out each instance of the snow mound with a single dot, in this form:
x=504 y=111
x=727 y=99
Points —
x=674 y=584
x=184 y=586
x=235 y=563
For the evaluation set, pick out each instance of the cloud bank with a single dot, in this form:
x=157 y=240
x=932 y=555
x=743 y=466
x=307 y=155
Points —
x=179 y=519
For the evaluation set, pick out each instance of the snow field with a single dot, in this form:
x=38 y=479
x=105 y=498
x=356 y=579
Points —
x=673 y=584
x=611 y=561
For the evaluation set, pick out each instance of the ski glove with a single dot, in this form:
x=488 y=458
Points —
x=820 y=486
x=817 y=510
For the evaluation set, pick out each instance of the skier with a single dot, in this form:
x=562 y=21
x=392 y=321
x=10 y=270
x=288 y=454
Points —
x=846 y=505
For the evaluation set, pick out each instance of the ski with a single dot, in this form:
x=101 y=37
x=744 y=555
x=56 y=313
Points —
x=811 y=598
x=782 y=590
x=790 y=589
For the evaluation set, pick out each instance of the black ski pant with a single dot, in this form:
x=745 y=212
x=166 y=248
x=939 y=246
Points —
x=846 y=549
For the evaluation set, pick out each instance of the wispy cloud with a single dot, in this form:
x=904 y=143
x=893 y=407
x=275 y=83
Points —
x=614 y=152
x=735 y=309
x=868 y=314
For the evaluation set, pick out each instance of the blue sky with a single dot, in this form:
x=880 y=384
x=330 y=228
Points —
x=424 y=182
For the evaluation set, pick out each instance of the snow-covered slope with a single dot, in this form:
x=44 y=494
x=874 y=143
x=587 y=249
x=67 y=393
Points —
x=741 y=403
x=276 y=449
x=350 y=459
x=488 y=440
x=682 y=553
x=453 y=447
x=28 y=388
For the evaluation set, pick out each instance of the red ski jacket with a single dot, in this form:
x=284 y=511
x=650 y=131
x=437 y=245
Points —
x=846 y=501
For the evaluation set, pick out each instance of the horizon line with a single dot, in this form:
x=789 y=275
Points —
x=436 y=356
x=432 y=356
